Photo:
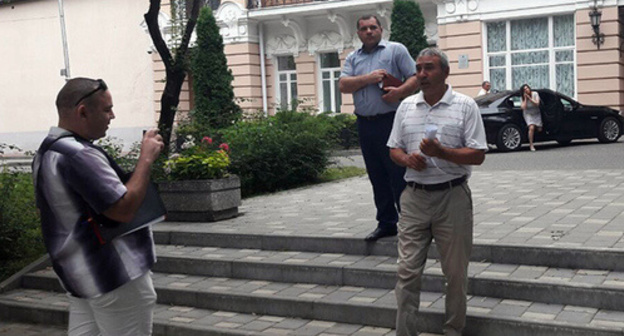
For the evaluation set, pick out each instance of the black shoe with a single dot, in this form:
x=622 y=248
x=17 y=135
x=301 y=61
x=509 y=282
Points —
x=380 y=233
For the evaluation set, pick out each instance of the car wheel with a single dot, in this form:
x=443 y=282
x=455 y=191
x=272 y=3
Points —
x=509 y=138
x=564 y=142
x=610 y=130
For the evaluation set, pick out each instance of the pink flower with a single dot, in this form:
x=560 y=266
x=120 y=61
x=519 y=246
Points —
x=207 y=139
x=225 y=147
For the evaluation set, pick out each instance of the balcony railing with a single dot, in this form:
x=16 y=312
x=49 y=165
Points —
x=253 y=4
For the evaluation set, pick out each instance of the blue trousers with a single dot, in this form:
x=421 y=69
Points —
x=386 y=177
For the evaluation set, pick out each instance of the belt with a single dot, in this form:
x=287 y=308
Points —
x=376 y=116
x=438 y=186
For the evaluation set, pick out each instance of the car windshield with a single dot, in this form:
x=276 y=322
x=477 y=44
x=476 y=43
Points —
x=489 y=98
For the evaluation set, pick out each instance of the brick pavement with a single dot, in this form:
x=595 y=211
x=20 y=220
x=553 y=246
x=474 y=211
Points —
x=574 y=209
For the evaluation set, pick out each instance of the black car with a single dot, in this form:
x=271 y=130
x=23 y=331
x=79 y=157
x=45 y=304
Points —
x=564 y=120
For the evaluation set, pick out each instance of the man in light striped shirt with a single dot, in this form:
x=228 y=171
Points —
x=436 y=203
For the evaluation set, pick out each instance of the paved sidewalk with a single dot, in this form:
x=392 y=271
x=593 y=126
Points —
x=549 y=208
x=574 y=209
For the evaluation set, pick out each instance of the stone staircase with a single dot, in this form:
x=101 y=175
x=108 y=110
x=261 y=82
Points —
x=215 y=283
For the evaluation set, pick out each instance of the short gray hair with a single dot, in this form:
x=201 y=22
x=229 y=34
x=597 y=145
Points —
x=444 y=61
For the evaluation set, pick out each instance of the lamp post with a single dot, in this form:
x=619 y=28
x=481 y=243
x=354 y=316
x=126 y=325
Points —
x=594 y=17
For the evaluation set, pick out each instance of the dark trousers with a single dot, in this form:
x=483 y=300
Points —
x=386 y=177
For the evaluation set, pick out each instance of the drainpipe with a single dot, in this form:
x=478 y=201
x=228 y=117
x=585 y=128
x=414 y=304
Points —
x=64 y=72
x=262 y=70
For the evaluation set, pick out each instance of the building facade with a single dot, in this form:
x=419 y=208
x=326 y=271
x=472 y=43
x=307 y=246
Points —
x=286 y=52
x=303 y=43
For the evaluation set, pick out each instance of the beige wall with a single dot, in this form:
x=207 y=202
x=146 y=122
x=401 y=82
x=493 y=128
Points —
x=244 y=61
x=463 y=38
x=105 y=41
x=600 y=72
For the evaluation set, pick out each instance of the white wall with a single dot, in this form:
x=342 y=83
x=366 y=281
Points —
x=105 y=41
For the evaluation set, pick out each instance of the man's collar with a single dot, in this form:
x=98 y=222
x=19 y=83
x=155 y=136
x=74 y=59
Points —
x=382 y=44
x=447 y=98
x=58 y=131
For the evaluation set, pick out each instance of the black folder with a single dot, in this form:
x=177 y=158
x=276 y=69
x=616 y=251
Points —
x=151 y=211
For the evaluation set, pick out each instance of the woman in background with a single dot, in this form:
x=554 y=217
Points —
x=531 y=111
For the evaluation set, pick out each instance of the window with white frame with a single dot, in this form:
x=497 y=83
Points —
x=330 y=74
x=286 y=82
x=536 y=51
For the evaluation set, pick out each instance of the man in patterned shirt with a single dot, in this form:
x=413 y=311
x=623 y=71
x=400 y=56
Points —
x=109 y=284
x=436 y=202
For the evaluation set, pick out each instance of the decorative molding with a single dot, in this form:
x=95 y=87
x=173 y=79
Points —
x=343 y=26
x=326 y=41
x=597 y=3
x=234 y=24
x=460 y=9
x=282 y=45
x=382 y=11
x=431 y=31
x=298 y=32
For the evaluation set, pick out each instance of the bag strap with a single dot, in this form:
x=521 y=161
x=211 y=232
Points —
x=94 y=219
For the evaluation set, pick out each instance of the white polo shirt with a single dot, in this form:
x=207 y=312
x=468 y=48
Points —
x=459 y=125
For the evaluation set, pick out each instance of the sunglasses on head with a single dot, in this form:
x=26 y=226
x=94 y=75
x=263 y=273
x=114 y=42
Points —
x=101 y=86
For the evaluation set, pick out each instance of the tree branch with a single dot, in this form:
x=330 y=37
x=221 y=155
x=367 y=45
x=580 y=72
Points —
x=190 y=26
x=151 y=19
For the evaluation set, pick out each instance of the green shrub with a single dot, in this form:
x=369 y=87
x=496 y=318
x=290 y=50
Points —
x=279 y=152
x=215 y=105
x=408 y=26
x=126 y=160
x=20 y=230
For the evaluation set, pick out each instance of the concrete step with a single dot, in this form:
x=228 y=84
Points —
x=371 y=306
x=30 y=329
x=172 y=233
x=589 y=288
x=51 y=309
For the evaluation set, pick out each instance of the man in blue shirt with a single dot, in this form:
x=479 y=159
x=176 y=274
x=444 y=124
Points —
x=363 y=72
x=109 y=285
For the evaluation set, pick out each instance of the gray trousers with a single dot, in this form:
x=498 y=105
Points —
x=445 y=216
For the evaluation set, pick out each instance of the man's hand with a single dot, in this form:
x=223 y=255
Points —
x=415 y=161
x=376 y=76
x=393 y=94
x=151 y=145
x=431 y=147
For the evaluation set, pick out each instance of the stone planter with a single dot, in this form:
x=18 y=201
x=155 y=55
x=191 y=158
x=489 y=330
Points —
x=201 y=200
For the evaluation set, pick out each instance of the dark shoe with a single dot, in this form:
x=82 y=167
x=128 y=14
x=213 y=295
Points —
x=380 y=233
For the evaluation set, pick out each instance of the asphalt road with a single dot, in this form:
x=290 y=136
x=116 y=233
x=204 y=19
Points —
x=580 y=154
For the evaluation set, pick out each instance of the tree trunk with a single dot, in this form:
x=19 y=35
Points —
x=173 y=65
x=169 y=104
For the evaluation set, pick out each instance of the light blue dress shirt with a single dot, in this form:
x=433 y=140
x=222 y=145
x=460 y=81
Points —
x=390 y=56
